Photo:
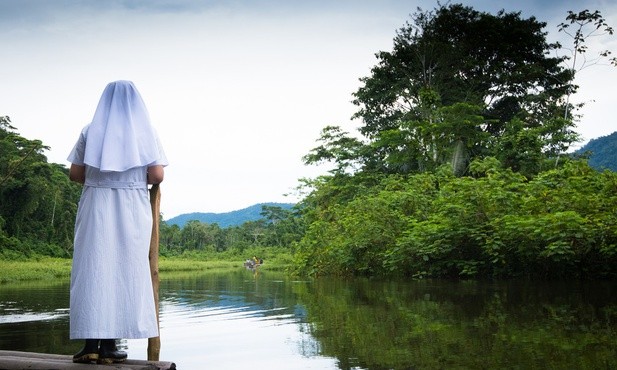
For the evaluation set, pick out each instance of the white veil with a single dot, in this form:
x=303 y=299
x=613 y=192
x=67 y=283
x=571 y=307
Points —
x=120 y=136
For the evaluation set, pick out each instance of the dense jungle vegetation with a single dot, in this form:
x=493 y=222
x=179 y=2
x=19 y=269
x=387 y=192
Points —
x=459 y=167
x=38 y=203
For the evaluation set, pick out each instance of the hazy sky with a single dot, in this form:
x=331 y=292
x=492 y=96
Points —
x=238 y=90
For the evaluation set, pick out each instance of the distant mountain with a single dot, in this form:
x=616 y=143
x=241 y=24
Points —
x=603 y=152
x=233 y=218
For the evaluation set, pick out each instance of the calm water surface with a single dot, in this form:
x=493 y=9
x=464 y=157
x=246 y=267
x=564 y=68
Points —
x=237 y=320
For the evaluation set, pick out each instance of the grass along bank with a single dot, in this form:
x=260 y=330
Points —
x=41 y=268
x=48 y=268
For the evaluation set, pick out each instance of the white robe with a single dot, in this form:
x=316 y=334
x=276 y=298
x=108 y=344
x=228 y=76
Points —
x=111 y=288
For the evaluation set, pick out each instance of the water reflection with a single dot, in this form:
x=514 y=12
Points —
x=18 y=316
x=236 y=319
x=34 y=317
x=469 y=325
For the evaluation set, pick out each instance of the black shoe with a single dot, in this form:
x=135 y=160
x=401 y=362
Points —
x=89 y=353
x=109 y=354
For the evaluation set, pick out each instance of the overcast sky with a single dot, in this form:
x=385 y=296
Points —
x=238 y=90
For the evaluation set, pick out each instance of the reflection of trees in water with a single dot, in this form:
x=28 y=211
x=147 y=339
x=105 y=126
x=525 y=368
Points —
x=372 y=324
x=439 y=324
x=239 y=289
x=36 y=317
x=271 y=295
x=308 y=346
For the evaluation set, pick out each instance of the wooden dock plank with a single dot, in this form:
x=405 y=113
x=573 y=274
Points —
x=13 y=360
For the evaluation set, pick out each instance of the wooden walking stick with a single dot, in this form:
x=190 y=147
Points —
x=154 y=344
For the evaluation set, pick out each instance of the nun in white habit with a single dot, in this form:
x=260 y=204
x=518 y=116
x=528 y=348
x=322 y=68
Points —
x=115 y=157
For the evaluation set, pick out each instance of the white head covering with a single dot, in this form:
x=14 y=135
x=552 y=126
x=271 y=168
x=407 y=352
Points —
x=120 y=136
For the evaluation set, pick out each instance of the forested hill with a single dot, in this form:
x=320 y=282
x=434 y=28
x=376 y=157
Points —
x=603 y=152
x=233 y=218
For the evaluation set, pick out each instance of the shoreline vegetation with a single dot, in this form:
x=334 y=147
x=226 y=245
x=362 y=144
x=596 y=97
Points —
x=50 y=268
x=466 y=176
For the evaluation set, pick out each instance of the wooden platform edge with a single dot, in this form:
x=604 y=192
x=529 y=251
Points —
x=14 y=360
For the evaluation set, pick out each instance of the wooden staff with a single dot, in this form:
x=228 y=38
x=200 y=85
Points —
x=154 y=344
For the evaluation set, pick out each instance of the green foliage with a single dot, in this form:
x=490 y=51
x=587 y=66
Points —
x=353 y=236
x=17 y=267
x=459 y=84
x=37 y=268
x=458 y=171
x=459 y=325
x=279 y=228
x=38 y=203
x=496 y=224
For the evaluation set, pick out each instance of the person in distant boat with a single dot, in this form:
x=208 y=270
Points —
x=115 y=158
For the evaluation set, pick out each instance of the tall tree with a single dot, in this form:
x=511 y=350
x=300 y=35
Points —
x=482 y=94
x=500 y=64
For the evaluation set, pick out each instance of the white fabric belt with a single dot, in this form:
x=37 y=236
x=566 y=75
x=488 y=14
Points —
x=116 y=184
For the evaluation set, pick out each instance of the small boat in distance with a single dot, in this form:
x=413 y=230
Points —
x=253 y=263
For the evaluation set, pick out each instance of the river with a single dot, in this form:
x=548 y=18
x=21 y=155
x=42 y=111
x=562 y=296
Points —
x=238 y=319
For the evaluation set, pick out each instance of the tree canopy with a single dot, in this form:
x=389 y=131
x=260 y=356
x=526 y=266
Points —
x=454 y=170
x=458 y=84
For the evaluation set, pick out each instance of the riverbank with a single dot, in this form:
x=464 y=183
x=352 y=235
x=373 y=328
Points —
x=48 y=268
